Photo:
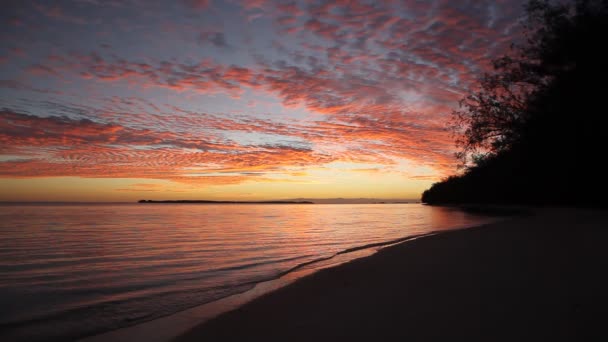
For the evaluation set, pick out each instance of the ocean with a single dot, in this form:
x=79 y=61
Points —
x=73 y=270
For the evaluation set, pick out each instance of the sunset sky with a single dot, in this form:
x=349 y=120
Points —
x=243 y=100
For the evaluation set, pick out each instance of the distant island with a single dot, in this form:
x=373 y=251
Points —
x=226 y=202
x=294 y=201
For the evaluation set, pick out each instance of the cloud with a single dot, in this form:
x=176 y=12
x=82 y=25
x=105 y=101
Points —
x=61 y=146
x=14 y=84
x=57 y=13
x=216 y=39
x=377 y=56
x=376 y=78
x=41 y=70
x=205 y=76
x=197 y=4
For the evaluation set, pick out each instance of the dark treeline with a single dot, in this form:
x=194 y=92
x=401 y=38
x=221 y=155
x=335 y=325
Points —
x=534 y=132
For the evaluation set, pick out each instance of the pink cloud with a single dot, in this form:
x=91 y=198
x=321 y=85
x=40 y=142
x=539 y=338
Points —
x=383 y=76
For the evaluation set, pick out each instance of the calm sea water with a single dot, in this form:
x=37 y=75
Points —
x=68 y=271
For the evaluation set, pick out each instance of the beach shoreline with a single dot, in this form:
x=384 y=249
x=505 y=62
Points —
x=279 y=308
x=526 y=278
x=172 y=326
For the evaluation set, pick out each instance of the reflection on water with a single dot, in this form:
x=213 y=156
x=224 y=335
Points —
x=73 y=270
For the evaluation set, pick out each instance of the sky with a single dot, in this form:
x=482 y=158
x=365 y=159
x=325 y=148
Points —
x=237 y=99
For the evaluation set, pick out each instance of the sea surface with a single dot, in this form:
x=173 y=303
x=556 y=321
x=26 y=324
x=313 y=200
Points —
x=74 y=270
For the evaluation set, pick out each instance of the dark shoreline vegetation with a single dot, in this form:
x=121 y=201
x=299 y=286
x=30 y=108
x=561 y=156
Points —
x=533 y=131
x=225 y=202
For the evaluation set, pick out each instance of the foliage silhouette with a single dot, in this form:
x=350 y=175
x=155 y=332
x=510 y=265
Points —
x=532 y=133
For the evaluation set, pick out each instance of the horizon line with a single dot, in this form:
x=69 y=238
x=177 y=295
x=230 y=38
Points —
x=409 y=200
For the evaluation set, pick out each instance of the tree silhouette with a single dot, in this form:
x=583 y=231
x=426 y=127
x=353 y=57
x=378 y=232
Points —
x=533 y=132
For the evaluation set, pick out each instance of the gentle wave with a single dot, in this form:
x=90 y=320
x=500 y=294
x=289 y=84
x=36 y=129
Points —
x=66 y=276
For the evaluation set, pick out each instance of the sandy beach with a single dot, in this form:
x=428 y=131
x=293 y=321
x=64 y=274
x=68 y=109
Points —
x=538 y=277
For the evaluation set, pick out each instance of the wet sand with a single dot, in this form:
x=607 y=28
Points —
x=530 y=278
